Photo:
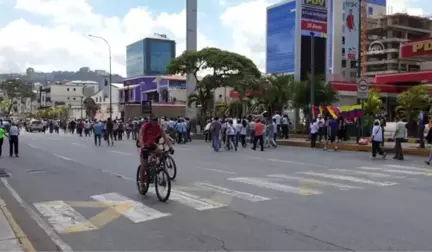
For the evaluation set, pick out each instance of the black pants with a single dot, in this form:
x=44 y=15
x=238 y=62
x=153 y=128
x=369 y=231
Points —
x=97 y=139
x=285 y=130
x=313 y=139
x=243 y=140
x=1 y=144
x=261 y=142
x=376 y=148
x=13 y=145
x=398 y=148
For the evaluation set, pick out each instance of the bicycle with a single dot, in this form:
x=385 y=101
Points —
x=154 y=171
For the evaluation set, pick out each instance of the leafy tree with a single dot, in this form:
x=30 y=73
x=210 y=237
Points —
x=373 y=104
x=412 y=101
x=90 y=107
x=324 y=94
x=16 y=91
x=225 y=69
x=274 y=92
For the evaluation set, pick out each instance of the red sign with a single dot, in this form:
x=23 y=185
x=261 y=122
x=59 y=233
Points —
x=314 y=26
x=416 y=48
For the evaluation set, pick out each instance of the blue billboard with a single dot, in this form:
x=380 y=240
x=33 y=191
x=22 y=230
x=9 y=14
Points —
x=377 y=2
x=281 y=37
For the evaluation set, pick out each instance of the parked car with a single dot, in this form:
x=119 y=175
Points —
x=36 y=126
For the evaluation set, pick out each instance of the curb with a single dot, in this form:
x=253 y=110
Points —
x=19 y=233
x=351 y=147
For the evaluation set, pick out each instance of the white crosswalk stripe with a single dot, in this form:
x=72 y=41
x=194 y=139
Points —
x=366 y=173
x=230 y=192
x=313 y=181
x=409 y=168
x=137 y=213
x=194 y=201
x=261 y=182
x=349 y=178
x=407 y=172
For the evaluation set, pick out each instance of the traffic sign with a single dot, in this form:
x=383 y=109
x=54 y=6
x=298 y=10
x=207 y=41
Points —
x=362 y=88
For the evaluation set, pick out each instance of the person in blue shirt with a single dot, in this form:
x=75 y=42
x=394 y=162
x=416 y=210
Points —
x=98 y=128
x=332 y=131
x=181 y=130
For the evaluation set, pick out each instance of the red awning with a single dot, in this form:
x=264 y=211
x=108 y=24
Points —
x=407 y=77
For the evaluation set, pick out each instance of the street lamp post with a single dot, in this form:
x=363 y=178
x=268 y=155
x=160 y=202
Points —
x=110 y=74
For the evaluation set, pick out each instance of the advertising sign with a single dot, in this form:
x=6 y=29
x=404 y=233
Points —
x=362 y=88
x=322 y=4
x=314 y=14
x=350 y=28
x=314 y=26
x=376 y=47
x=314 y=17
x=417 y=48
x=281 y=36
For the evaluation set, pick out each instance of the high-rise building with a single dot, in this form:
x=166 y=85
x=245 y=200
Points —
x=149 y=56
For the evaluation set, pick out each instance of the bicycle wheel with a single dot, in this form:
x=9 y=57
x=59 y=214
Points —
x=170 y=167
x=162 y=179
x=142 y=188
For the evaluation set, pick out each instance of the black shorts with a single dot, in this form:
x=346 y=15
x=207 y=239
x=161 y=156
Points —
x=145 y=152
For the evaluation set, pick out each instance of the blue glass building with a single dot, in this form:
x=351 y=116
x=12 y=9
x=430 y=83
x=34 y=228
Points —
x=149 y=57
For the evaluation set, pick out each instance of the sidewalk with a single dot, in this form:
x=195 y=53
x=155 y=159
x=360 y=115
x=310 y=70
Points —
x=12 y=238
x=408 y=148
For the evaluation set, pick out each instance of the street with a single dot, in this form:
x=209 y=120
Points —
x=62 y=188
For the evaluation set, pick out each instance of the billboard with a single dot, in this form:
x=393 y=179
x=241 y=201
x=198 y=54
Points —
x=416 y=49
x=350 y=28
x=281 y=37
x=314 y=17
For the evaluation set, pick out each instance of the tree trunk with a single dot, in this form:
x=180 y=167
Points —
x=9 y=109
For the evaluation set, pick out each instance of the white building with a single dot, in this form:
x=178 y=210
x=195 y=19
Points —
x=102 y=99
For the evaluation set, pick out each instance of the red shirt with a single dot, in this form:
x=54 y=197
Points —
x=259 y=129
x=152 y=132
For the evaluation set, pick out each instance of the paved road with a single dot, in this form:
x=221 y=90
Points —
x=281 y=199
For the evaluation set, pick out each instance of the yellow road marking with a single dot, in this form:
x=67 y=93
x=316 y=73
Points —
x=21 y=236
x=113 y=212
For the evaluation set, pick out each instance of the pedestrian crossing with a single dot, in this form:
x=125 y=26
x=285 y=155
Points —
x=204 y=196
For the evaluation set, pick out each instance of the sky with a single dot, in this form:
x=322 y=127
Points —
x=53 y=34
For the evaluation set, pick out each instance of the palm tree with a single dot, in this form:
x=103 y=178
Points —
x=202 y=97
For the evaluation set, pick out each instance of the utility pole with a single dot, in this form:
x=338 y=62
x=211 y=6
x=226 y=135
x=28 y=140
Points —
x=312 y=73
x=359 y=61
x=81 y=107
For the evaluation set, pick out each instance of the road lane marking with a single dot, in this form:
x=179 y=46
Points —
x=19 y=233
x=63 y=246
x=52 y=138
x=348 y=178
x=275 y=186
x=62 y=216
x=193 y=201
x=409 y=168
x=216 y=170
x=80 y=145
x=62 y=157
x=31 y=145
x=314 y=181
x=287 y=162
x=368 y=174
x=179 y=148
x=230 y=192
x=138 y=212
x=121 y=153
x=396 y=171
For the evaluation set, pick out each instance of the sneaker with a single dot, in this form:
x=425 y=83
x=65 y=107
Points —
x=427 y=162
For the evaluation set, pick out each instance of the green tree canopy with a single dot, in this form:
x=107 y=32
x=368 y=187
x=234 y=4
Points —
x=16 y=91
x=275 y=91
x=412 y=101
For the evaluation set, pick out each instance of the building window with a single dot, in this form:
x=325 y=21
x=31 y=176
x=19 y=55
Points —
x=370 y=10
x=343 y=52
x=74 y=89
x=74 y=99
x=68 y=98
x=343 y=63
x=343 y=40
x=67 y=89
x=353 y=64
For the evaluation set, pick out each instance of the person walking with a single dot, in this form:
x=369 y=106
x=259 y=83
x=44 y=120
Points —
x=376 y=139
x=2 y=135
x=399 y=136
x=98 y=129
x=259 y=135
x=13 y=140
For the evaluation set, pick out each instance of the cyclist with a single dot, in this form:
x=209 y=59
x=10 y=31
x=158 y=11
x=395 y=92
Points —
x=149 y=135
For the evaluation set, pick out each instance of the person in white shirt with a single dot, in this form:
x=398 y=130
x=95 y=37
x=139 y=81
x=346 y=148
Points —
x=87 y=127
x=243 y=132
x=277 y=119
x=376 y=139
x=314 y=128
x=231 y=134
x=13 y=140
x=252 y=125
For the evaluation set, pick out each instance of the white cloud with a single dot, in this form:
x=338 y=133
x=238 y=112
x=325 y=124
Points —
x=65 y=45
